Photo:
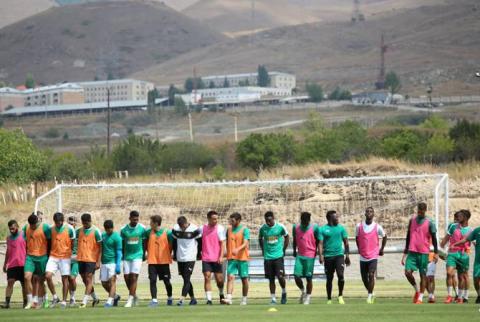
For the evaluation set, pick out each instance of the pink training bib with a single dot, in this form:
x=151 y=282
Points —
x=368 y=245
x=305 y=241
x=211 y=250
x=17 y=251
x=456 y=237
x=419 y=236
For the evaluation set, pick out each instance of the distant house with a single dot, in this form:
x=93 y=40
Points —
x=372 y=98
x=277 y=80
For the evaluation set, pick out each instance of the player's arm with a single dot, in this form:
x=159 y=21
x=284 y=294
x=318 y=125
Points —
x=199 y=244
x=118 y=256
x=460 y=242
x=72 y=236
x=444 y=241
x=347 y=251
x=48 y=234
x=286 y=240
x=320 y=250
x=98 y=237
x=145 y=243
x=294 y=243
x=260 y=242
x=407 y=242
x=6 y=259
x=384 y=243
x=356 y=236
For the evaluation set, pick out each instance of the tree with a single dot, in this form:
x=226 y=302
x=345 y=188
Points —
x=439 y=148
x=172 y=90
x=110 y=76
x=180 y=106
x=261 y=151
x=137 y=155
x=99 y=162
x=29 y=81
x=435 y=122
x=392 y=82
x=226 y=83
x=211 y=84
x=151 y=96
x=263 y=77
x=67 y=167
x=403 y=144
x=20 y=161
x=3 y=84
x=315 y=92
x=192 y=83
x=467 y=137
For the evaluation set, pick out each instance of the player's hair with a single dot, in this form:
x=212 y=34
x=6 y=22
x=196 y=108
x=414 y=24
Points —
x=108 y=224
x=330 y=213
x=32 y=219
x=156 y=219
x=72 y=219
x=58 y=216
x=369 y=208
x=134 y=213
x=269 y=214
x=211 y=213
x=467 y=213
x=422 y=206
x=236 y=216
x=86 y=218
x=182 y=220
x=305 y=217
x=12 y=222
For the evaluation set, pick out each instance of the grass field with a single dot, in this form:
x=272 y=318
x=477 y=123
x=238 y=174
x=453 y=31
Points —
x=393 y=304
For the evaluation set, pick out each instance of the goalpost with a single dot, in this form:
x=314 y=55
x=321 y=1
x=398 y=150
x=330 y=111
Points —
x=394 y=199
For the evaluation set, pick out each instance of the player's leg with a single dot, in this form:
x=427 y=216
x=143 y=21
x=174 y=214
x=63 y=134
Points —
x=268 y=266
x=8 y=293
x=24 y=289
x=431 y=268
x=298 y=273
x=28 y=276
x=65 y=265
x=110 y=278
x=52 y=268
x=411 y=266
x=371 y=272
x=423 y=264
x=476 y=284
x=152 y=277
x=232 y=270
x=329 y=265
x=72 y=281
x=462 y=268
x=166 y=277
x=220 y=281
x=364 y=274
x=35 y=288
x=340 y=269
x=207 y=281
x=450 y=278
x=280 y=274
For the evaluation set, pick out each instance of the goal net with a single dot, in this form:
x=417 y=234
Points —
x=394 y=199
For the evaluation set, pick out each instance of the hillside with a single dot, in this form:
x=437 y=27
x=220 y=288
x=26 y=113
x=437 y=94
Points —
x=78 y=42
x=427 y=44
x=234 y=17
x=12 y=11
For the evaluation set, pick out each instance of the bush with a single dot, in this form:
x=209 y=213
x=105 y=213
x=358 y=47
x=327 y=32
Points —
x=403 y=144
x=99 y=163
x=184 y=155
x=315 y=92
x=52 y=133
x=137 y=154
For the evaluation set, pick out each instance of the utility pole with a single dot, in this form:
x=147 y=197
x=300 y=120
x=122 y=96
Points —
x=108 y=120
x=380 y=84
x=236 y=128
x=252 y=35
x=190 y=125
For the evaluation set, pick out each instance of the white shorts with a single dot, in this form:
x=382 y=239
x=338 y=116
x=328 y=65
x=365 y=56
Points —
x=431 y=268
x=59 y=265
x=132 y=267
x=107 y=271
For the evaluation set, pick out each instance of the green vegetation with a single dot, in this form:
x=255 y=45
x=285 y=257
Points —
x=339 y=94
x=315 y=92
x=263 y=77
x=193 y=83
x=30 y=81
x=392 y=82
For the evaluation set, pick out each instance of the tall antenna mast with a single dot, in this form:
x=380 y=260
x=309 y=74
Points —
x=357 y=14
x=380 y=84
x=252 y=36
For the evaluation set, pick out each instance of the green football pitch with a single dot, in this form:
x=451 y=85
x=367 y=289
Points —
x=393 y=304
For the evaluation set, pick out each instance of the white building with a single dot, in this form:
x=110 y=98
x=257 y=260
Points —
x=277 y=80
x=120 y=90
x=234 y=95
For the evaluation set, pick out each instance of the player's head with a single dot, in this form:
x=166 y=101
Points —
x=33 y=220
x=460 y=217
x=58 y=219
x=421 y=209
x=13 y=226
x=369 y=214
x=332 y=217
x=269 y=218
x=182 y=222
x=212 y=217
x=72 y=220
x=235 y=219
x=108 y=226
x=134 y=218
x=155 y=222
x=86 y=220
x=305 y=218
x=467 y=214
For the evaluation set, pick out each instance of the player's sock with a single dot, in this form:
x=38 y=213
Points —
x=29 y=298
x=370 y=295
x=449 y=290
x=85 y=299
x=229 y=297
x=307 y=297
x=7 y=300
x=273 y=297
x=72 y=295
x=420 y=297
x=456 y=290
x=94 y=296
x=35 y=299
x=55 y=297
x=220 y=292
x=154 y=300
x=465 y=294
x=244 y=299
x=284 y=291
x=416 y=288
x=110 y=301
x=460 y=293
x=209 y=295
x=431 y=296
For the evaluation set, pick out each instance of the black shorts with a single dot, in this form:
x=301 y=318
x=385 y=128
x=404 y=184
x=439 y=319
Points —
x=186 y=268
x=162 y=271
x=336 y=263
x=274 y=268
x=213 y=267
x=368 y=267
x=15 y=273
x=86 y=267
